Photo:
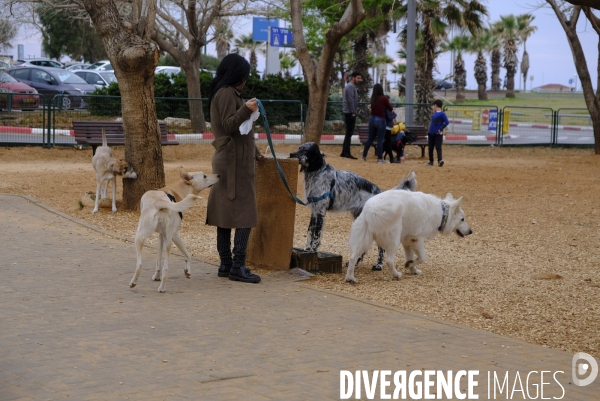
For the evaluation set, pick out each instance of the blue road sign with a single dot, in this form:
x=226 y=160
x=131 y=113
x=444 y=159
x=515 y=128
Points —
x=260 y=28
x=571 y=80
x=493 y=120
x=281 y=37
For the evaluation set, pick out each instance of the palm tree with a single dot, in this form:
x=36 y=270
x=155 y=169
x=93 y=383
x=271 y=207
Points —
x=287 y=62
x=245 y=42
x=434 y=19
x=493 y=48
x=398 y=69
x=508 y=30
x=222 y=35
x=478 y=45
x=458 y=44
x=525 y=30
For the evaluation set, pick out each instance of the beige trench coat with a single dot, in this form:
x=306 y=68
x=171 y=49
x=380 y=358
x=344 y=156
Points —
x=232 y=200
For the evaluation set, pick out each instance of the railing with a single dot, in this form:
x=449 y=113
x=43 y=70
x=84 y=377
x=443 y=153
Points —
x=28 y=119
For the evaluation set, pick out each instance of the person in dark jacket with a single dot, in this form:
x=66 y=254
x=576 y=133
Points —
x=350 y=108
x=232 y=201
x=377 y=122
x=439 y=121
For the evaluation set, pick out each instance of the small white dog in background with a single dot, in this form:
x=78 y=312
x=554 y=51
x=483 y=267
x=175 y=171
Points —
x=107 y=169
x=393 y=218
x=161 y=211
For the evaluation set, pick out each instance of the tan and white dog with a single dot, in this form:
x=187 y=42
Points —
x=107 y=169
x=161 y=211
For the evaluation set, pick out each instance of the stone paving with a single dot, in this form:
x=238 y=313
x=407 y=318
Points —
x=72 y=329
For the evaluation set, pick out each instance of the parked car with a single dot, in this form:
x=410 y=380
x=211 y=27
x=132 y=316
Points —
x=25 y=97
x=99 y=79
x=169 y=70
x=103 y=65
x=40 y=62
x=50 y=82
x=74 y=67
x=444 y=85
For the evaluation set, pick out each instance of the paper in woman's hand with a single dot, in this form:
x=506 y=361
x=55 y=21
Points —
x=246 y=126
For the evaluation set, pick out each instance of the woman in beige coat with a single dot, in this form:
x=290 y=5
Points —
x=232 y=201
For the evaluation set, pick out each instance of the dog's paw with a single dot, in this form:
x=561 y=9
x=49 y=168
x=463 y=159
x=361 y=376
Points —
x=95 y=211
x=156 y=277
x=351 y=280
x=187 y=274
x=415 y=271
x=114 y=210
x=161 y=290
x=131 y=285
x=397 y=275
x=377 y=268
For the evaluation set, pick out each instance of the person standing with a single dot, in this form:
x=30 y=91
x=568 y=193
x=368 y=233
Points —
x=377 y=122
x=350 y=100
x=232 y=200
x=435 y=135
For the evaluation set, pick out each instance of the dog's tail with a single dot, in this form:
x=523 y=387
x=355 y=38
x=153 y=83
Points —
x=103 y=138
x=409 y=183
x=361 y=237
x=180 y=207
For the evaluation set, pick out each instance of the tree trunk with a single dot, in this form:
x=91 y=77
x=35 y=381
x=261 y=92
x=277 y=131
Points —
x=510 y=63
x=192 y=70
x=134 y=57
x=481 y=76
x=460 y=78
x=362 y=65
x=496 y=58
x=592 y=100
x=315 y=116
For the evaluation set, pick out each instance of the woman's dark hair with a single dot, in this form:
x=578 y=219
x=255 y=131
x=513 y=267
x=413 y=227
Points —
x=232 y=71
x=377 y=91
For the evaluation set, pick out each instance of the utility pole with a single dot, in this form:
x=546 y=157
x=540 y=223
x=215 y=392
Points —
x=410 y=60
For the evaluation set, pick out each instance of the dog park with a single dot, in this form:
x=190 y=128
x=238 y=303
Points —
x=529 y=271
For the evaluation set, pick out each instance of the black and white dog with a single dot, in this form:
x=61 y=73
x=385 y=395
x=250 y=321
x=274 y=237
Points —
x=326 y=188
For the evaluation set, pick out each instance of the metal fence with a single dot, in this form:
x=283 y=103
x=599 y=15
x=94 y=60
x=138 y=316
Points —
x=28 y=119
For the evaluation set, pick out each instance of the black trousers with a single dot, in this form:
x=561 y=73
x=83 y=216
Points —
x=350 y=121
x=436 y=141
x=240 y=243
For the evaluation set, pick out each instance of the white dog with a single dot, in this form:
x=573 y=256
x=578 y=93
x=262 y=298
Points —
x=409 y=218
x=107 y=168
x=161 y=211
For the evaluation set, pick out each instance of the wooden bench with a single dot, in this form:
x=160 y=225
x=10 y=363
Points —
x=418 y=130
x=90 y=133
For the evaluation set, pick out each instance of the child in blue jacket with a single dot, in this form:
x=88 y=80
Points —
x=439 y=121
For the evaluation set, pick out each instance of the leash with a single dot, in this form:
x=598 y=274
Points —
x=266 y=124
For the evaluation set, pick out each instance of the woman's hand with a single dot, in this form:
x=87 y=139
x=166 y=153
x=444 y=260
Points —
x=260 y=157
x=252 y=104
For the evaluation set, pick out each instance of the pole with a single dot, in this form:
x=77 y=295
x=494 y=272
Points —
x=410 y=60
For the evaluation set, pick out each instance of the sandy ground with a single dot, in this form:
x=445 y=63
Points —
x=534 y=212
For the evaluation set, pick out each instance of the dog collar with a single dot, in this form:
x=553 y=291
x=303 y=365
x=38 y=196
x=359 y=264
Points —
x=329 y=194
x=444 y=217
x=172 y=199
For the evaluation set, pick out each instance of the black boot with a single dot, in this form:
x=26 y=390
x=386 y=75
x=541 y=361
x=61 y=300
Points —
x=243 y=274
x=224 y=270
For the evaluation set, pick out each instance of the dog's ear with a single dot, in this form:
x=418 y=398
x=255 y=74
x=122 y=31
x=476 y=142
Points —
x=457 y=204
x=187 y=177
x=449 y=197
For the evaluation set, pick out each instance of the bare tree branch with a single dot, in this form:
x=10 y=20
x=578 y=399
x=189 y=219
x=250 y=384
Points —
x=586 y=3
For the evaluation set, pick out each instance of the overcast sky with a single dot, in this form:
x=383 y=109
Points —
x=550 y=56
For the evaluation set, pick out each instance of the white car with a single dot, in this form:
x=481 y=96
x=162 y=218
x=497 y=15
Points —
x=169 y=70
x=38 y=62
x=103 y=65
x=99 y=79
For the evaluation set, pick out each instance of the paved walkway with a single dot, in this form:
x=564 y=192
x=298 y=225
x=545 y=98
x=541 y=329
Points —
x=72 y=329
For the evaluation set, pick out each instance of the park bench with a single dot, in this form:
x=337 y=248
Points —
x=418 y=130
x=90 y=133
